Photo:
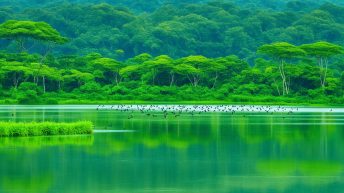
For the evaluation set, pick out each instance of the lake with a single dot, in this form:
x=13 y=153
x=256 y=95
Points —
x=217 y=152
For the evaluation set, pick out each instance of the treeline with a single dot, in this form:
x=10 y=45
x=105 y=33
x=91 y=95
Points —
x=302 y=73
x=212 y=29
x=144 y=77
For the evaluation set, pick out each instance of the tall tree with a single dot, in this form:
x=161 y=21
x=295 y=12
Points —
x=322 y=51
x=161 y=64
x=194 y=67
x=22 y=31
x=108 y=65
x=282 y=51
x=16 y=71
x=131 y=72
x=45 y=72
x=213 y=69
x=191 y=72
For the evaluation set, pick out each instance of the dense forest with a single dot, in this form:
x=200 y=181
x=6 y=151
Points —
x=211 y=29
x=235 y=51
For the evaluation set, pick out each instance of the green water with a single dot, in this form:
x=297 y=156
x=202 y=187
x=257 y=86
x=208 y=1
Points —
x=210 y=153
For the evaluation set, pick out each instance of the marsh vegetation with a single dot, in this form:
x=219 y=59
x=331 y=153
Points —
x=24 y=129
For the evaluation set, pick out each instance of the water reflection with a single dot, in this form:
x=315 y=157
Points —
x=209 y=153
x=40 y=142
x=299 y=168
x=19 y=184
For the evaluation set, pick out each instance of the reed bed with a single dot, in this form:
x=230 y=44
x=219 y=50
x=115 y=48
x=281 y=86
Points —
x=24 y=129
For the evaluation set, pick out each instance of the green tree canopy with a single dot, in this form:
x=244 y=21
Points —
x=322 y=51
x=22 y=30
x=282 y=51
x=108 y=65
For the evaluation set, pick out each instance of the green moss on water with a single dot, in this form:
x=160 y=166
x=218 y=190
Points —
x=24 y=129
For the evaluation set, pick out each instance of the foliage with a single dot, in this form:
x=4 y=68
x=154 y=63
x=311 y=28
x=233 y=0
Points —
x=323 y=51
x=13 y=129
x=178 y=28
x=21 y=31
x=12 y=29
x=282 y=51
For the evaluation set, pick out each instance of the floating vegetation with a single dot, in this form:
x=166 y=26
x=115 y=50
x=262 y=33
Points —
x=24 y=129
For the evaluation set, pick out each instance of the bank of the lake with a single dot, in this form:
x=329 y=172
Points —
x=234 y=99
x=23 y=129
x=201 y=102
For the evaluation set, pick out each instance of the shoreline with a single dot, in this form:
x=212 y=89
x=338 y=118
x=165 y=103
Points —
x=139 y=102
x=135 y=102
x=184 y=108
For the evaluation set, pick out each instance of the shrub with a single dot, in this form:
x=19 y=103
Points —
x=91 y=87
x=51 y=101
x=29 y=97
x=29 y=86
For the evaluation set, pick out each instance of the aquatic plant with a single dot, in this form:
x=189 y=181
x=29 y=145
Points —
x=37 y=142
x=15 y=129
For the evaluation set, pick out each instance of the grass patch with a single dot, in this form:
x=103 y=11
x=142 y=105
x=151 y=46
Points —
x=23 y=129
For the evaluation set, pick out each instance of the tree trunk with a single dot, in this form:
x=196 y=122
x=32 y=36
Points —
x=285 y=83
x=288 y=86
x=172 y=79
x=216 y=77
x=192 y=83
x=277 y=87
x=59 y=84
x=118 y=79
x=154 y=76
x=20 y=44
x=323 y=67
x=282 y=76
x=195 y=80
x=325 y=73
x=284 y=80
x=15 y=80
x=36 y=80
x=43 y=81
